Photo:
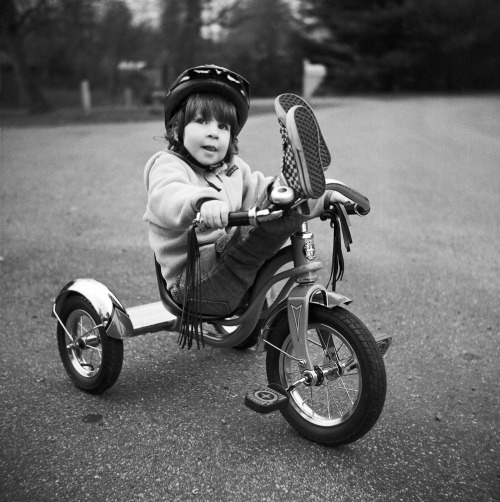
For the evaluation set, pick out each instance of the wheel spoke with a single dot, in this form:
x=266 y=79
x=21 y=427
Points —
x=333 y=403
x=310 y=340
x=309 y=399
x=327 y=390
x=92 y=360
x=80 y=328
x=345 y=375
x=346 y=390
x=86 y=360
x=86 y=332
x=339 y=411
x=337 y=403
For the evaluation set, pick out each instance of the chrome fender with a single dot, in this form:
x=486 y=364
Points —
x=110 y=310
x=329 y=299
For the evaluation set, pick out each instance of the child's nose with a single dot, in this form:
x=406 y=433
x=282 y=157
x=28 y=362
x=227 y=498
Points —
x=213 y=129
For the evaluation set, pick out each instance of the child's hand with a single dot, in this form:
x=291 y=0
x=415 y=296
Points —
x=338 y=197
x=214 y=213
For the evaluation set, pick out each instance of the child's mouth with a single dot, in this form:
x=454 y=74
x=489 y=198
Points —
x=210 y=148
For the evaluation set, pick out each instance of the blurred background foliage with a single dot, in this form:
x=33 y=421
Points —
x=48 y=47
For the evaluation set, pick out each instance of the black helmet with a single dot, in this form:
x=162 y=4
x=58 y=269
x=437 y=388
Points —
x=209 y=78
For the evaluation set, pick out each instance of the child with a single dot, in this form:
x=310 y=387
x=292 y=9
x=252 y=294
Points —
x=205 y=109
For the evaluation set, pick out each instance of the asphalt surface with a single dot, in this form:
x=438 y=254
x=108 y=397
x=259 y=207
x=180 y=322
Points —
x=424 y=268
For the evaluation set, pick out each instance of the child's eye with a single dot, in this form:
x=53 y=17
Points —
x=199 y=120
x=225 y=127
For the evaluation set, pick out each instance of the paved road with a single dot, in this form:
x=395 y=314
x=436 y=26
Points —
x=424 y=268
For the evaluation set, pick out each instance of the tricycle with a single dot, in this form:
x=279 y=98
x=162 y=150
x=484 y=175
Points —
x=325 y=370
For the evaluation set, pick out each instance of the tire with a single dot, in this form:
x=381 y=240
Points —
x=93 y=364
x=345 y=406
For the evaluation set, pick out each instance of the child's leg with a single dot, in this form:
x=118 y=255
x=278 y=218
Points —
x=228 y=268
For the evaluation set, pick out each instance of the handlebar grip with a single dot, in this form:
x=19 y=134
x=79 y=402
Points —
x=352 y=208
x=238 y=219
x=253 y=217
x=361 y=203
x=361 y=211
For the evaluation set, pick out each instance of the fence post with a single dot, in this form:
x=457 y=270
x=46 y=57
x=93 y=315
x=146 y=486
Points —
x=128 y=97
x=86 y=96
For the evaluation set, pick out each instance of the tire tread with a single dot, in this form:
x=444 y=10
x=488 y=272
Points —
x=373 y=400
x=112 y=351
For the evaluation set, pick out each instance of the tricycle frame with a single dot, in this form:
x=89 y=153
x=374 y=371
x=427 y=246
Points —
x=304 y=325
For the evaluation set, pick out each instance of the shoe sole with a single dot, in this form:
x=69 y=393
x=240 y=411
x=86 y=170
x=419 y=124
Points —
x=285 y=102
x=303 y=132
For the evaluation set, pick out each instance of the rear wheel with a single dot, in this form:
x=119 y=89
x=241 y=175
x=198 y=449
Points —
x=92 y=359
x=346 y=404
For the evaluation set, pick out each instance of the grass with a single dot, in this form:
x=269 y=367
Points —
x=108 y=114
x=98 y=115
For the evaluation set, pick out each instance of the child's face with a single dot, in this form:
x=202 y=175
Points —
x=207 y=140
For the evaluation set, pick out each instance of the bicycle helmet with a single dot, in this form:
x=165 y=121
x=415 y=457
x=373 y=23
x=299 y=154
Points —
x=209 y=78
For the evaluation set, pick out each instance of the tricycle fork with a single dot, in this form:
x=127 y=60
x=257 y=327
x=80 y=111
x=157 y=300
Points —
x=299 y=301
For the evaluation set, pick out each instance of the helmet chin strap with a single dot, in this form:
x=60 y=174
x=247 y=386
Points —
x=185 y=153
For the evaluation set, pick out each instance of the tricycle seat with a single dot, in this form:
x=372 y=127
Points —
x=167 y=300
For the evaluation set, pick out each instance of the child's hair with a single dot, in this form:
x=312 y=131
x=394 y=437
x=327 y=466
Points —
x=208 y=106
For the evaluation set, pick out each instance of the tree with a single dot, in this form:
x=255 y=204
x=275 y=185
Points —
x=365 y=45
x=115 y=42
x=458 y=45
x=14 y=26
x=257 y=38
x=388 y=45
x=264 y=43
x=181 y=25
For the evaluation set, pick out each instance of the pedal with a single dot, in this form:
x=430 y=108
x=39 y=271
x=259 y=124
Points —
x=267 y=399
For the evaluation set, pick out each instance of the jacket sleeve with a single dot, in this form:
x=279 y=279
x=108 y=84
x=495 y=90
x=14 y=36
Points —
x=174 y=195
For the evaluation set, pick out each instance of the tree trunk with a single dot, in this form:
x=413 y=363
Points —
x=181 y=30
x=30 y=94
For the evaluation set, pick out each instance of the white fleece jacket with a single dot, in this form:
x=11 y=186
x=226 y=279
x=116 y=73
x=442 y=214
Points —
x=177 y=189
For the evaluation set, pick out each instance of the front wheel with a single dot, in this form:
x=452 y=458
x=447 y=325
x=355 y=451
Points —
x=347 y=403
x=92 y=359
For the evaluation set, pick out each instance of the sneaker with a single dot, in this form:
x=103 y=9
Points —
x=302 y=168
x=282 y=104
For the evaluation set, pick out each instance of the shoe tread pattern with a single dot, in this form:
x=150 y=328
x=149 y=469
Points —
x=288 y=101
x=311 y=176
x=289 y=168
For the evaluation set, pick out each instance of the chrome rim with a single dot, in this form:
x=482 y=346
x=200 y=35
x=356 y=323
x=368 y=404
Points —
x=335 y=400
x=85 y=350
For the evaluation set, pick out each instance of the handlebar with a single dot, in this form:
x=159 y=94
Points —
x=358 y=204
x=252 y=217
x=352 y=208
